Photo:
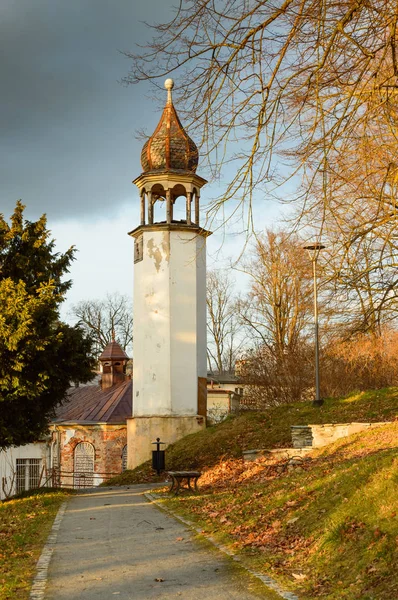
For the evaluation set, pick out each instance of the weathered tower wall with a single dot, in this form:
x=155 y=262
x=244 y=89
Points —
x=169 y=382
x=169 y=323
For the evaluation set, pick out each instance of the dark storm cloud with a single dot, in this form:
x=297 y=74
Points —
x=67 y=143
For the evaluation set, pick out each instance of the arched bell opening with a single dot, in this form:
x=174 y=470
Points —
x=156 y=200
x=179 y=207
x=112 y=372
x=119 y=367
x=172 y=205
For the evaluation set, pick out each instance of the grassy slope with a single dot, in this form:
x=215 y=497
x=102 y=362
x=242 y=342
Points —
x=270 y=429
x=327 y=531
x=330 y=531
x=24 y=526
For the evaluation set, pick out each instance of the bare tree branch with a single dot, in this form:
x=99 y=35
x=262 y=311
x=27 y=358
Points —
x=277 y=89
x=103 y=319
x=223 y=327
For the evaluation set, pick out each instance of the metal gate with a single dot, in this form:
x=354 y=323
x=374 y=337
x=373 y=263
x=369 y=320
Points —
x=83 y=465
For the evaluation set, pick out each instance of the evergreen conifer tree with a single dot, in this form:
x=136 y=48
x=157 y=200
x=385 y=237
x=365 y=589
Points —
x=39 y=355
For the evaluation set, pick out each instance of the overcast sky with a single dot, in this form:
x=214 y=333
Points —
x=67 y=141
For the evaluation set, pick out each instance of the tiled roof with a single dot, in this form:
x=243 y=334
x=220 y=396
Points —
x=113 y=351
x=91 y=404
x=170 y=148
x=222 y=378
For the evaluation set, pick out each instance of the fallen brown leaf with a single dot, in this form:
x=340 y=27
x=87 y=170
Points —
x=299 y=576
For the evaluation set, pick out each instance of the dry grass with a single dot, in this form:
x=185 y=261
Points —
x=24 y=526
x=270 y=429
x=326 y=530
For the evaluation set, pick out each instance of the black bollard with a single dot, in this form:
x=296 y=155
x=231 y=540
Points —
x=158 y=457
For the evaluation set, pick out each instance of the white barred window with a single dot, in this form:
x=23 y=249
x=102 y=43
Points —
x=28 y=473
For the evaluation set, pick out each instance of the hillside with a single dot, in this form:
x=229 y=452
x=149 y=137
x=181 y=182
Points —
x=326 y=530
x=269 y=429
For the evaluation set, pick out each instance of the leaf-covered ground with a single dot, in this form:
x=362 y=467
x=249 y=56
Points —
x=24 y=526
x=269 y=429
x=328 y=529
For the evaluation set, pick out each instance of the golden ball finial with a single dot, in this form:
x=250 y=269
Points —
x=169 y=84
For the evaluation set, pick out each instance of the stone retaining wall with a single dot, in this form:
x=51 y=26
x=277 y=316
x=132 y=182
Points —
x=301 y=436
x=307 y=437
x=316 y=436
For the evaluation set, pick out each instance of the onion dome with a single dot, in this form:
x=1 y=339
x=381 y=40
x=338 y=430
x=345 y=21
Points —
x=169 y=148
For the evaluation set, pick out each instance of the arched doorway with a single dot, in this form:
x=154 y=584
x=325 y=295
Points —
x=83 y=471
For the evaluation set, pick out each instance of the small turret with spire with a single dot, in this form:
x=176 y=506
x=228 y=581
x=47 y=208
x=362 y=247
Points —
x=113 y=362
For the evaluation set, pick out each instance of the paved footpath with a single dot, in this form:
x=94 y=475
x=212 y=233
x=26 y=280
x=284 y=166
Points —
x=114 y=544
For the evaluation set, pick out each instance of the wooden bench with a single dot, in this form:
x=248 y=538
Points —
x=178 y=477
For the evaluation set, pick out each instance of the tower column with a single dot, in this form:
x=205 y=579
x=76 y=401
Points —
x=169 y=381
x=189 y=200
x=169 y=207
x=197 y=197
x=142 y=195
x=150 y=208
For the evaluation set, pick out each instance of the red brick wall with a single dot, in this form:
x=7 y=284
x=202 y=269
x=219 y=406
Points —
x=108 y=442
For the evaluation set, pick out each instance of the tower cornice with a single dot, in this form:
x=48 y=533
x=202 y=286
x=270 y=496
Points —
x=135 y=233
x=173 y=177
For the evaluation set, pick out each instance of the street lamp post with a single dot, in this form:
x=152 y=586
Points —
x=313 y=250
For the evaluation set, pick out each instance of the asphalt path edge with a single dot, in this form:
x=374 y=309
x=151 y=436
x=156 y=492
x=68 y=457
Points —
x=265 y=579
x=39 y=583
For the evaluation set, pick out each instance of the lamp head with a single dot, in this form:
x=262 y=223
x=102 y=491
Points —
x=314 y=247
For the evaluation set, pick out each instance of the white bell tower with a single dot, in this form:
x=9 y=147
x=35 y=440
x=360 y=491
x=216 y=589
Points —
x=169 y=380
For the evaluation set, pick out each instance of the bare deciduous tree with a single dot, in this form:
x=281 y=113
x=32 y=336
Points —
x=104 y=318
x=276 y=315
x=361 y=362
x=223 y=327
x=304 y=88
x=271 y=380
x=297 y=80
x=279 y=305
x=361 y=282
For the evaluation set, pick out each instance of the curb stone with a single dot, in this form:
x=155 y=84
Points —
x=40 y=580
x=265 y=579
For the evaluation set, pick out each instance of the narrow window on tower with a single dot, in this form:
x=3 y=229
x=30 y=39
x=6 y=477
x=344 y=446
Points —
x=138 y=249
